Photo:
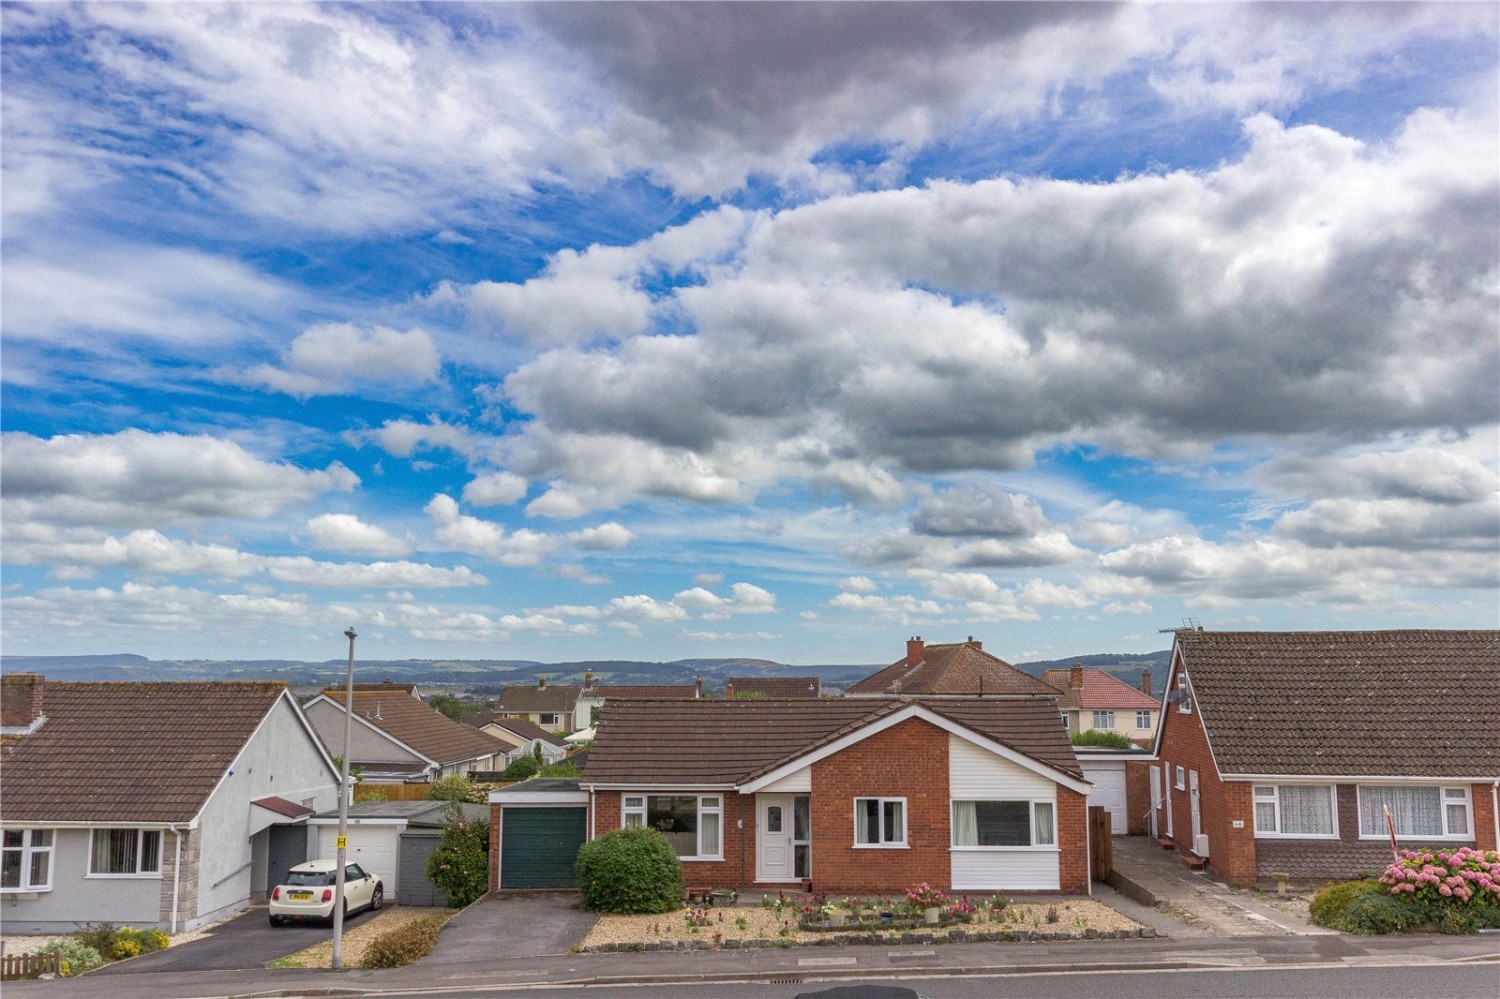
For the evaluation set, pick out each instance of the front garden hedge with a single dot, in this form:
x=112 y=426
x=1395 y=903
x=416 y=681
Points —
x=629 y=871
x=1455 y=891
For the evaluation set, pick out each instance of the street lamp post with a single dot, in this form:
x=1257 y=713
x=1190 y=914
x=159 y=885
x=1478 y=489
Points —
x=343 y=841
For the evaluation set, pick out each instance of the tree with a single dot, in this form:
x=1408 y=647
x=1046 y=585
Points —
x=522 y=767
x=454 y=787
x=461 y=863
x=448 y=705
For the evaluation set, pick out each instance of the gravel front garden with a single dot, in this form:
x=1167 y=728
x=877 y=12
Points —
x=785 y=922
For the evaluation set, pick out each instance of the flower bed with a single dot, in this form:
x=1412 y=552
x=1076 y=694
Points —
x=1458 y=891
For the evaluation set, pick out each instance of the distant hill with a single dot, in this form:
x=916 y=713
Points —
x=488 y=676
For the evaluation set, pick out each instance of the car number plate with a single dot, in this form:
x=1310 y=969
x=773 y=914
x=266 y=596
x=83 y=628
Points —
x=300 y=896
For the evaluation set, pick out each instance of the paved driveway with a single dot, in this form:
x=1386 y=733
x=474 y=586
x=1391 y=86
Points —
x=247 y=941
x=517 y=924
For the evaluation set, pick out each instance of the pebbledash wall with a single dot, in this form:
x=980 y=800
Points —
x=910 y=760
x=1236 y=855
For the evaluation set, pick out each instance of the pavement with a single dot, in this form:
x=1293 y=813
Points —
x=516 y=940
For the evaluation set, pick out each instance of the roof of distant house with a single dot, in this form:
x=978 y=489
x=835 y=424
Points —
x=641 y=691
x=554 y=698
x=778 y=686
x=1100 y=692
x=733 y=741
x=962 y=668
x=1352 y=703
x=131 y=752
x=420 y=726
x=524 y=729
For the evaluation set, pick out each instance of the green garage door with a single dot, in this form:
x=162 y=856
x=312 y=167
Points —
x=538 y=847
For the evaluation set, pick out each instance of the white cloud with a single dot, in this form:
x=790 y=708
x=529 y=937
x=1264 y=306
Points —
x=495 y=489
x=402 y=438
x=486 y=538
x=708 y=579
x=344 y=532
x=639 y=607
x=135 y=478
x=745 y=598
x=331 y=358
x=857 y=584
x=607 y=537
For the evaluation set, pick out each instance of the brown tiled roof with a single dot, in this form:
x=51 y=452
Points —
x=423 y=728
x=640 y=691
x=130 y=752
x=778 y=686
x=1099 y=690
x=960 y=668
x=732 y=741
x=553 y=698
x=281 y=806
x=1356 y=703
x=525 y=729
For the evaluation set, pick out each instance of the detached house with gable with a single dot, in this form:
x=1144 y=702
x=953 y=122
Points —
x=165 y=805
x=1281 y=753
x=395 y=737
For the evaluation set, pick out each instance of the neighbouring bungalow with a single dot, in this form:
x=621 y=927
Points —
x=396 y=738
x=1282 y=753
x=164 y=805
x=960 y=669
x=776 y=687
x=839 y=795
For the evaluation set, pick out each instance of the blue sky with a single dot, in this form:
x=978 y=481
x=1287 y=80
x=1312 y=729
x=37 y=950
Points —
x=568 y=331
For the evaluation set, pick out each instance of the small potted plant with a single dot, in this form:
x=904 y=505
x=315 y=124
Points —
x=930 y=900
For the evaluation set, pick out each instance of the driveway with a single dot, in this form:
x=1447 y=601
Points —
x=517 y=924
x=247 y=941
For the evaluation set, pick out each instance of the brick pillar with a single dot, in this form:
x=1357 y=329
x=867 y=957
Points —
x=494 y=848
x=1073 y=839
x=1484 y=816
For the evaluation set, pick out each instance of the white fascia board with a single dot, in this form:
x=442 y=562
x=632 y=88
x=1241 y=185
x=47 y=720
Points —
x=355 y=820
x=947 y=725
x=661 y=787
x=1358 y=779
x=539 y=798
x=109 y=824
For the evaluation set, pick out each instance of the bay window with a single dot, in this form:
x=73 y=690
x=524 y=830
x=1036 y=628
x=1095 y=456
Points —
x=26 y=860
x=1304 y=810
x=125 y=852
x=1429 y=812
x=692 y=823
x=1003 y=824
x=880 y=822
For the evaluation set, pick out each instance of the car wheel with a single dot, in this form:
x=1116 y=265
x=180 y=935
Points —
x=278 y=920
x=377 y=899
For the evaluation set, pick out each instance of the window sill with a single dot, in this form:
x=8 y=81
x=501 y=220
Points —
x=1320 y=837
x=1003 y=849
x=153 y=876
x=701 y=860
x=881 y=846
x=24 y=894
x=1418 y=840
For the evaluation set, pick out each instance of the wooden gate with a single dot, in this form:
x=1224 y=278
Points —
x=1101 y=842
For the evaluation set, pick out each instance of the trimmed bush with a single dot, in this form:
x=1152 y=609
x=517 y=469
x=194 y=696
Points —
x=461 y=863
x=401 y=946
x=454 y=787
x=629 y=871
x=524 y=766
x=77 y=956
x=1333 y=902
x=1103 y=737
x=1363 y=907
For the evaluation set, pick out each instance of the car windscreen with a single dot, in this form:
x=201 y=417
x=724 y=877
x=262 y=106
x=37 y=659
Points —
x=315 y=879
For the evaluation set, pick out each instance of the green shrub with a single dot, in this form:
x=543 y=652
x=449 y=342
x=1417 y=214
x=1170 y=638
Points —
x=401 y=946
x=562 y=768
x=1333 y=902
x=461 y=863
x=1363 y=907
x=100 y=937
x=454 y=787
x=1101 y=737
x=630 y=870
x=77 y=956
x=525 y=766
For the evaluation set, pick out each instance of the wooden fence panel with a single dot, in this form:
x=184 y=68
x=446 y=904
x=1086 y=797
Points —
x=30 y=965
x=1101 y=842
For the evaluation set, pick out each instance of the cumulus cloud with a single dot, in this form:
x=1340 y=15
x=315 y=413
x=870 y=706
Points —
x=134 y=478
x=980 y=509
x=331 y=358
x=344 y=532
x=401 y=438
x=606 y=537
x=495 y=489
x=484 y=537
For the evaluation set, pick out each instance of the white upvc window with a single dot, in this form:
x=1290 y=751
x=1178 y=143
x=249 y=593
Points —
x=1181 y=781
x=1419 y=811
x=125 y=853
x=547 y=720
x=880 y=822
x=997 y=825
x=693 y=823
x=1185 y=695
x=1143 y=719
x=1104 y=719
x=26 y=860
x=1303 y=811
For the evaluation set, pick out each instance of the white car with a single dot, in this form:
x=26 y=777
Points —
x=308 y=892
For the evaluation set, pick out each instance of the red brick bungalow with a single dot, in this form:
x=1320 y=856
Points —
x=848 y=795
x=1281 y=752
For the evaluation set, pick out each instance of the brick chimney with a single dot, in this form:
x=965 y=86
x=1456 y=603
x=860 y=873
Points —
x=914 y=650
x=588 y=679
x=1146 y=681
x=1075 y=680
x=20 y=700
x=977 y=645
x=541 y=683
x=697 y=686
x=729 y=692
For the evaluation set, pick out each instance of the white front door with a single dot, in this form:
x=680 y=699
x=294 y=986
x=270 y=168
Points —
x=1193 y=804
x=773 y=837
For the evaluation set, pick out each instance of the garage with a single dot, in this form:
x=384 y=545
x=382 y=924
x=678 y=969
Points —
x=392 y=840
x=542 y=825
x=1108 y=778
